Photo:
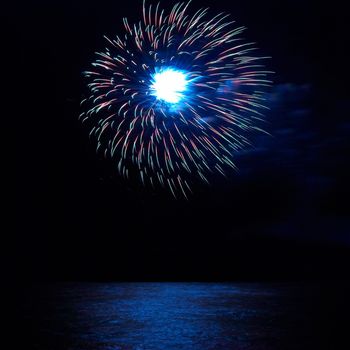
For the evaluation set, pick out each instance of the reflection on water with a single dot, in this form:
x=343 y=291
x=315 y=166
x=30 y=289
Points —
x=171 y=316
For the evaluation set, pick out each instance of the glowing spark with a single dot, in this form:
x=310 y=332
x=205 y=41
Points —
x=168 y=85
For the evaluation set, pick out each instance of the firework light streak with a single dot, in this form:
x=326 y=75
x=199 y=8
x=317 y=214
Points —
x=175 y=98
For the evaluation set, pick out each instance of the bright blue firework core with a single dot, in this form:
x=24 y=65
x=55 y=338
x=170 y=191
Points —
x=169 y=85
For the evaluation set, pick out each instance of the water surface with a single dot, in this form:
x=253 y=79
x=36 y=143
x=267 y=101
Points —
x=167 y=316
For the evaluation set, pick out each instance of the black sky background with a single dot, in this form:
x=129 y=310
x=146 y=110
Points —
x=284 y=216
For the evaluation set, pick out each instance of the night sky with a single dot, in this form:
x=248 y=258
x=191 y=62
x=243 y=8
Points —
x=283 y=216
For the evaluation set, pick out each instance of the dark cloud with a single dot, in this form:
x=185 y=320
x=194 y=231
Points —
x=308 y=161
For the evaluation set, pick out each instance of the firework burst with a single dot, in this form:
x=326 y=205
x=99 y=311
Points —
x=175 y=98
